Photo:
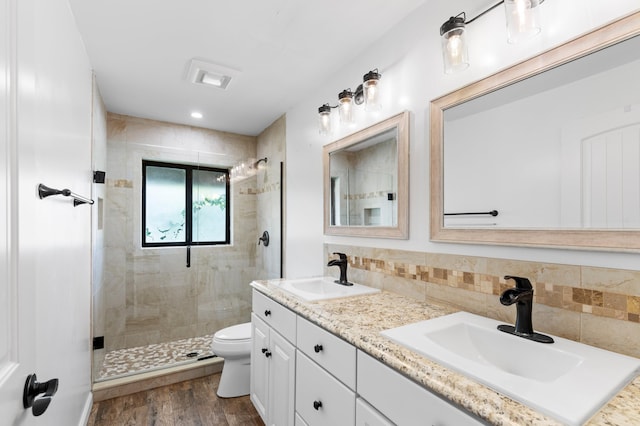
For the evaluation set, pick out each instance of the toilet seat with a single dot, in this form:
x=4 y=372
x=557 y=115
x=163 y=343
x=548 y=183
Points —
x=235 y=333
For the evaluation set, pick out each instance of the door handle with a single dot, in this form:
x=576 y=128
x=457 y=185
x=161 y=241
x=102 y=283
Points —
x=33 y=388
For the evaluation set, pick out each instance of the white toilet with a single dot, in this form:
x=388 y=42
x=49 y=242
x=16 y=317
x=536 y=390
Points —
x=234 y=345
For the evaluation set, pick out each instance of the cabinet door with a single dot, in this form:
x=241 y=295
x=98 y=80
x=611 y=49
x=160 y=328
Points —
x=282 y=370
x=259 y=366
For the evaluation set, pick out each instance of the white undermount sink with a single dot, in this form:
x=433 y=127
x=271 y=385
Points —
x=566 y=380
x=321 y=288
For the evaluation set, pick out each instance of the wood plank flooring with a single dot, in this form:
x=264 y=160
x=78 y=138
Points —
x=189 y=403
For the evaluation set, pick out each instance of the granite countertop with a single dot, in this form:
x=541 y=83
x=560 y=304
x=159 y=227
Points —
x=360 y=319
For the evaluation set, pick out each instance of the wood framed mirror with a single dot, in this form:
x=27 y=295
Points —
x=540 y=119
x=366 y=181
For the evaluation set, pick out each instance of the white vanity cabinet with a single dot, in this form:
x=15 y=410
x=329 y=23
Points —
x=303 y=375
x=403 y=401
x=273 y=361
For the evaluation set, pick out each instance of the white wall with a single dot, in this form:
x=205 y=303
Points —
x=409 y=59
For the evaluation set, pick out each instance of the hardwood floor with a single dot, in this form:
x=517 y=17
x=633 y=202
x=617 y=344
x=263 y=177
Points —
x=189 y=403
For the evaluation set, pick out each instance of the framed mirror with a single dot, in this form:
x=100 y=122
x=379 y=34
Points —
x=546 y=152
x=366 y=181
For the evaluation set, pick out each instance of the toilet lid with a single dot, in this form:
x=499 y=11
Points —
x=235 y=332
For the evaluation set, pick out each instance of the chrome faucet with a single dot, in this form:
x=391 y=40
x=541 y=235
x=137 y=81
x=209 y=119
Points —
x=522 y=296
x=342 y=264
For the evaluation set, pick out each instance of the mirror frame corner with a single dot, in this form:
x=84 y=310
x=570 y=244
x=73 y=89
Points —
x=401 y=230
x=594 y=239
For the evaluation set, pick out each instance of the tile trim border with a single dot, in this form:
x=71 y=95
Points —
x=599 y=303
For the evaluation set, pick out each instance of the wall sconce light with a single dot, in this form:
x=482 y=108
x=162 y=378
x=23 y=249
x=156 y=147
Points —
x=454 y=44
x=324 y=119
x=522 y=19
x=245 y=169
x=368 y=93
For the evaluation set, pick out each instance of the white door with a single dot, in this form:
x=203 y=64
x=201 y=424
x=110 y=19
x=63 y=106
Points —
x=17 y=348
x=601 y=170
x=259 y=365
x=45 y=260
x=611 y=178
x=281 y=381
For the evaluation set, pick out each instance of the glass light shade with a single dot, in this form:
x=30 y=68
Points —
x=523 y=19
x=454 y=45
x=371 y=88
x=345 y=107
x=324 y=120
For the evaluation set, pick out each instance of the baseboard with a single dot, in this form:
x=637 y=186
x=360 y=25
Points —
x=153 y=379
x=86 y=410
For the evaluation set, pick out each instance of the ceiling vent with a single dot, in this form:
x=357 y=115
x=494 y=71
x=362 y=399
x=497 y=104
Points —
x=209 y=74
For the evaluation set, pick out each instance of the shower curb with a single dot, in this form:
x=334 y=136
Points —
x=153 y=379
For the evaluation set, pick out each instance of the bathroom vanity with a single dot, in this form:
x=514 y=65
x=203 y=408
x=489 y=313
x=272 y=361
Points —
x=328 y=364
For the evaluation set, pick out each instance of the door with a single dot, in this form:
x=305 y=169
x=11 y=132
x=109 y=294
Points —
x=611 y=178
x=45 y=259
x=281 y=381
x=600 y=185
x=17 y=348
x=259 y=365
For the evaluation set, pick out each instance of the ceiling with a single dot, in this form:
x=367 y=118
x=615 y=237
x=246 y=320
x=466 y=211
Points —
x=274 y=49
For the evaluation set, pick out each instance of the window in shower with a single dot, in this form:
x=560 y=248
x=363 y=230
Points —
x=167 y=190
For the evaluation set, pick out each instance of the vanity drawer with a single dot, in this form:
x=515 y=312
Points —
x=403 y=401
x=366 y=415
x=320 y=398
x=329 y=351
x=299 y=421
x=275 y=315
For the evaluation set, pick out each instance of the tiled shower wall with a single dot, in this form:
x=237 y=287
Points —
x=268 y=189
x=150 y=295
x=596 y=306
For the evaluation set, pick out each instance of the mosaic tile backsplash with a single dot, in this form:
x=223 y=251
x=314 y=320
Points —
x=597 y=306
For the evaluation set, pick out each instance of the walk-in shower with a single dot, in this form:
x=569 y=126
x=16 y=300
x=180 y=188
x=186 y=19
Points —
x=151 y=310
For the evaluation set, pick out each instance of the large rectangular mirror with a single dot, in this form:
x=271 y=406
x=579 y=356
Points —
x=546 y=152
x=366 y=181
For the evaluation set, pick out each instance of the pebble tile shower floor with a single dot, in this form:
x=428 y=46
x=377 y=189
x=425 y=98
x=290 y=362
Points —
x=125 y=362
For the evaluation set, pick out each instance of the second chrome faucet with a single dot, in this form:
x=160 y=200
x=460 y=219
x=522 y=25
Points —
x=342 y=263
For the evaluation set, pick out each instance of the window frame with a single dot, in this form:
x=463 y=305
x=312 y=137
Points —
x=189 y=169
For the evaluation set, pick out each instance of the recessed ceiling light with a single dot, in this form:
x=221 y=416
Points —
x=209 y=74
x=196 y=114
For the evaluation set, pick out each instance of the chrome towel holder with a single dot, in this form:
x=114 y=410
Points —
x=44 y=191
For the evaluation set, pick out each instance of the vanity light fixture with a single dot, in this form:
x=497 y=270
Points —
x=368 y=93
x=345 y=106
x=522 y=19
x=372 y=91
x=454 y=44
x=196 y=114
